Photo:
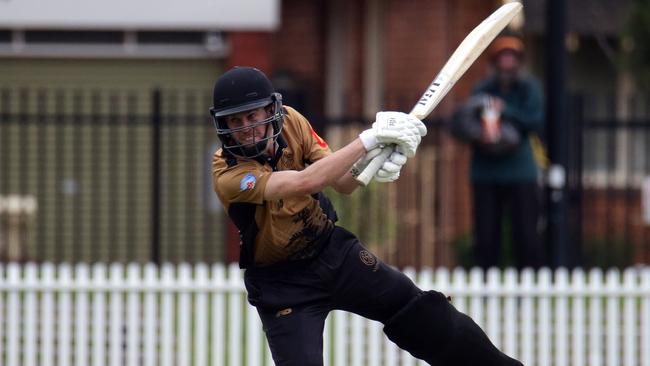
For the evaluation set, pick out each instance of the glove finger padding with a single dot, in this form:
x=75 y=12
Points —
x=407 y=141
x=390 y=170
x=422 y=129
x=371 y=154
x=393 y=164
x=390 y=178
x=361 y=164
x=397 y=157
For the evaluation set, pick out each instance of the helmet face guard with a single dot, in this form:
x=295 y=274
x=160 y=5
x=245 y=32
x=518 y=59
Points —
x=259 y=144
x=244 y=89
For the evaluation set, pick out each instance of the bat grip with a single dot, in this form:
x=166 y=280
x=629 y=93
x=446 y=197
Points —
x=374 y=165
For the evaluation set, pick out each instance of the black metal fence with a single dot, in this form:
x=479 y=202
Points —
x=608 y=175
x=125 y=176
x=117 y=176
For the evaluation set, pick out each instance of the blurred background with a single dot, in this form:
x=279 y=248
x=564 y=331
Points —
x=106 y=143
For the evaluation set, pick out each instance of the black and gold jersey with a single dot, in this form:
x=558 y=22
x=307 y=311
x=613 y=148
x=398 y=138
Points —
x=280 y=230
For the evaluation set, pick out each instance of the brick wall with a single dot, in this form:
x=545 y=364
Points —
x=612 y=224
x=354 y=23
x=298 y=44
x=298 y=47
x=250 y=49
x=420 y=36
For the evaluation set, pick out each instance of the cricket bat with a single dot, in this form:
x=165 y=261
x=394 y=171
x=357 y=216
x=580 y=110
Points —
x=463 y=57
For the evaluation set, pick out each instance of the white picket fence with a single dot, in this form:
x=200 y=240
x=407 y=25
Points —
x=197 y=315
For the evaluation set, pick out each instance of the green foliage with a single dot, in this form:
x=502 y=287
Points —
x=607 y=253
x=636 y=48
x=365 y=213
x=464 y=250
x=463 y=247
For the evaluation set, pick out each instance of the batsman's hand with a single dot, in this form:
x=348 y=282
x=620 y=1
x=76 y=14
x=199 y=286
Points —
x=396 y=128
x=389 y=171
x=362 y=163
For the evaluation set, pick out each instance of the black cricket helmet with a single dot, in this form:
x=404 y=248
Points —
x=242 y=89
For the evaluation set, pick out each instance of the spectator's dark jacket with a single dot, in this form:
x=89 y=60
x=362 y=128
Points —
x=524 y=108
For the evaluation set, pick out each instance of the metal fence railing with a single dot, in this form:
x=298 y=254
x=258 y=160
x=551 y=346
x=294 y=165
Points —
x=610 y=161
x=120 y=176
x=115 y=182
x=112 y=183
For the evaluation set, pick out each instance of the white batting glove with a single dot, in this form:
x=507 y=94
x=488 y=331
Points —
x=397 y=128
x=362 y=163
x=389 y=171
x=389 y=119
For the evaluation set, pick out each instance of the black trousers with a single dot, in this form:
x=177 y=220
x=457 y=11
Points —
x=293 y=299
x=490 y=204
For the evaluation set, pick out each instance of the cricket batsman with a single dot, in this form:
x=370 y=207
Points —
x=299 y=265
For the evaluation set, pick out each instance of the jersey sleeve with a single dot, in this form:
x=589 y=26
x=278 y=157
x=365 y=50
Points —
x=314 y=146
x=242 y=183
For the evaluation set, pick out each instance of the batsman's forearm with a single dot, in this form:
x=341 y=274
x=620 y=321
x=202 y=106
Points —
x=314 y=178
x=327 y=171
x=346 y=184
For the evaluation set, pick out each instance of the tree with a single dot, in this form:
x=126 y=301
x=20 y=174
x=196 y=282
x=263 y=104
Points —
x=635 y=47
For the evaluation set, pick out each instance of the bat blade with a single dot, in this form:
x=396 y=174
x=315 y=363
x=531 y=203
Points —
x=463 y=57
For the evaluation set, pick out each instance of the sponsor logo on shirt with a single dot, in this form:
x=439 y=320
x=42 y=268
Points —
x=248 y=182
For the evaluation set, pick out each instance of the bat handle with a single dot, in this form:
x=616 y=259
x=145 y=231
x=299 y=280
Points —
x=374 y=165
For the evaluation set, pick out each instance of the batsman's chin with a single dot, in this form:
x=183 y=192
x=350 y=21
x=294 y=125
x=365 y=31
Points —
x=255 y=144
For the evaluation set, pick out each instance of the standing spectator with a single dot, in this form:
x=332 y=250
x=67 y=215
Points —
x=504 y=113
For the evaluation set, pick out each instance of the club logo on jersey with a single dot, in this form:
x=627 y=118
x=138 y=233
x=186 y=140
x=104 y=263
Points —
x=319 y=140
x=248 y=182
x=283 y=312
x=368 y=259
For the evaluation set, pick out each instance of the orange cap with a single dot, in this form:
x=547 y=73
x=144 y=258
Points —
x=504 y=43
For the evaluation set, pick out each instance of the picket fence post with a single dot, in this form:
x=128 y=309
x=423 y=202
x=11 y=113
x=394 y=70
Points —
x=494 y=320
x=200 y=350
x=116 y=320
x=47 y=314
x=595 y=318
x=98 y=314
x=64 y=307
x=218 y=315
x=30 y=316
x=577 y=288
x=561 y=317
x=645 y=318
x=150 y=314
x=509 y=310
x=630 y=318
